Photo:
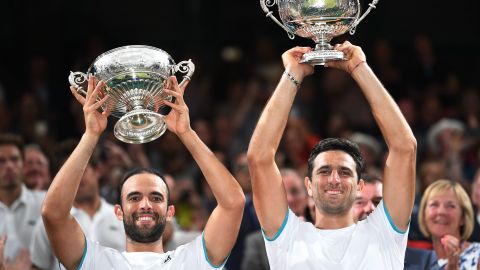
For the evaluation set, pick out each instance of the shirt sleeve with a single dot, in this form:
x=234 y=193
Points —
x=381 y=222
x=40 y=250
x=280 y=244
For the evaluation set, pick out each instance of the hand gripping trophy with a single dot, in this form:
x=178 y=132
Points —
x=135 y=77
x=320 y=20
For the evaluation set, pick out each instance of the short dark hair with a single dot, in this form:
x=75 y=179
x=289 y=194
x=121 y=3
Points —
x=12 y=139
x=333 y=144
x=140 y=170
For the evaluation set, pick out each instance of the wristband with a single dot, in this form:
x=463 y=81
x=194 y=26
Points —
x=356 y=66
x=291 y=78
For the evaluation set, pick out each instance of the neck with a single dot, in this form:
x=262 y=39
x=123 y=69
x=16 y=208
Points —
x=90 y=207
x=331 y=222
x=156 y=246
x=9 y=195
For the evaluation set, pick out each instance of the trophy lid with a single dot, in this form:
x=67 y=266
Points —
x=132 y=58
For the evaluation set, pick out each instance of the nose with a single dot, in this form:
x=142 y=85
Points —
x=369 y=207
x=145 y=204
x=441 y=209
x=334 y=177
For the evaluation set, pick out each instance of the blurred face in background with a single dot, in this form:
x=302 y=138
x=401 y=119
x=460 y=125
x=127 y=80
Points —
x=297 y=198
x=88 y=188
x=443 y=214
x=11 y=166
x=367 y=200
x=36 y=169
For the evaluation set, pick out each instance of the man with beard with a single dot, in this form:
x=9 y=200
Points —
x=19 y=206
x=36 y=168
x=335 y=241
x=144 y=206
x=95 y=216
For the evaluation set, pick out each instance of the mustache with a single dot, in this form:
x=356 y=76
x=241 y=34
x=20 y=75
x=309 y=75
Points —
x=335 y=187
x=137 y=214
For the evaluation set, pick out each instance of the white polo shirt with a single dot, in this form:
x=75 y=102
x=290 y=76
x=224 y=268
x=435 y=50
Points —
x=18 y=221
x=191 y=256
x=373 y=243
x=104 y=228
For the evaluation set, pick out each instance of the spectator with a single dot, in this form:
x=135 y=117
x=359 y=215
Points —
x=19 y=206
x=36 y=168
x=95 y=216
x=446 y=216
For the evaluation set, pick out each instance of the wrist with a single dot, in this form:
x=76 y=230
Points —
x=184 y=134
x=293 y=77
x=357 y=65
x=91 y=136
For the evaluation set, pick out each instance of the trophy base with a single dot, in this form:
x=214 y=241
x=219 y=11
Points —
x=140 y=126
x=321 y=57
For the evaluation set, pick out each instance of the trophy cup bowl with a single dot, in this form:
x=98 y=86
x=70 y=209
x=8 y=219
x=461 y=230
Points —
x=134 y=78
x=319 y=20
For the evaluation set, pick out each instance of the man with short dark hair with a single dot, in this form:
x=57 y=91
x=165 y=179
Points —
x=144 y=207
x=334 y=177
x=367 y=200
x=36 y=168
x=19 y=206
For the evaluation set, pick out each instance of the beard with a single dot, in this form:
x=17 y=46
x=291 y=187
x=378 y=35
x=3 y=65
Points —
x=144 y=234
x=339 y=207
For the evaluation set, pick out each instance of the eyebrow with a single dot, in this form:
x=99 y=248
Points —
x=330 y=167
x=156 y=193
x=133 y=193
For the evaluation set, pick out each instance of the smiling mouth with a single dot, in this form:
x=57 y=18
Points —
x=333 y=192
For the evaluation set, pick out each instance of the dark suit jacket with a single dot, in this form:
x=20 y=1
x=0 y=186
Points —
x=420 y=259
x=255 y=254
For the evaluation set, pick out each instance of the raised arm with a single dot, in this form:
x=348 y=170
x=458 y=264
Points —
x=269 y=194
x=223 y=225
x=66 y=236
x=399 y=171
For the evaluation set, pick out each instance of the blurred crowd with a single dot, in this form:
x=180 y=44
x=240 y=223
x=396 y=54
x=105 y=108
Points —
x=225 y=101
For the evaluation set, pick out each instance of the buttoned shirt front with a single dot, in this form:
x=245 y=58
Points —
x=18 y=220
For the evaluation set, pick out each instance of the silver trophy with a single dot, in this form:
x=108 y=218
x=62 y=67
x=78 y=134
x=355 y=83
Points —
x=135 y=77
x=320 y=20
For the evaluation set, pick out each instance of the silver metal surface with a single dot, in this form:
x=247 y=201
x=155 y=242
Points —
x=135 y=77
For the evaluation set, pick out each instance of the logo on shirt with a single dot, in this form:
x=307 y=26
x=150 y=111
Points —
x=167 y=259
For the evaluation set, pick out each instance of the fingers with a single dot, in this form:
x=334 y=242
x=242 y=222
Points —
x=91 y=86
x=77 y=96
x=98 y=91
x=183 y=85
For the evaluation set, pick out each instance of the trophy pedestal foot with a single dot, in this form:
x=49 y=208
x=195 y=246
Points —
x=139 y=126
x=320 y=57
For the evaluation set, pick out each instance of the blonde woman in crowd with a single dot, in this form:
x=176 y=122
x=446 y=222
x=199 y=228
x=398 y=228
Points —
x=446 y=216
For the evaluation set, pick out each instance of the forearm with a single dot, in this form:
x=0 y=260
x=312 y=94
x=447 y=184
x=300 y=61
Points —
x=225 y=188
x=394 y=127
x=271 y=125
x=61 y=194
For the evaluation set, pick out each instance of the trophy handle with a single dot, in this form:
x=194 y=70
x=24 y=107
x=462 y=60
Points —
x=185 y=67
x=372 y=5
x=265 y=4
x=77 y=79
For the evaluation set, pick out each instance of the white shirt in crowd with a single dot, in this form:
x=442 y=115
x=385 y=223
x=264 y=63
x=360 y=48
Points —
x=103 y=228
x=18 y=221
x=191 y=256
x=374 y=243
